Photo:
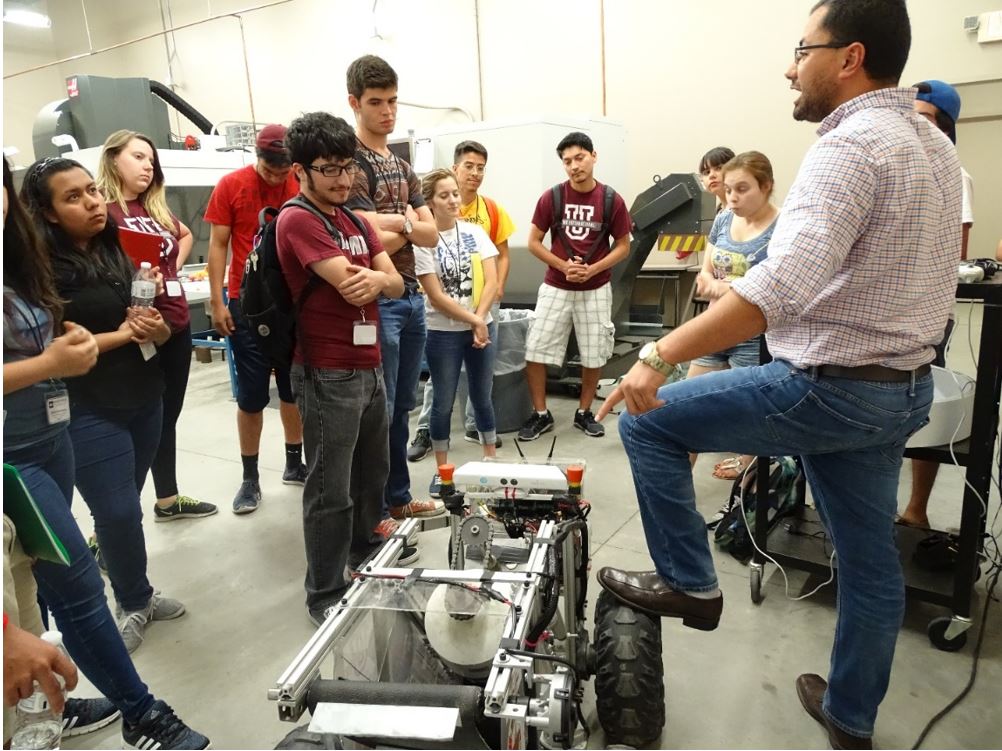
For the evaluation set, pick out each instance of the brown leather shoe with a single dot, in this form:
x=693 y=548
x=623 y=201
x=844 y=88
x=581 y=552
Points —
x=811 y=690
x=645 y=590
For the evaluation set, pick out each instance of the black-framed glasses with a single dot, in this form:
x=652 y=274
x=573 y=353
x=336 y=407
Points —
x=800 y=52
x=336 y=170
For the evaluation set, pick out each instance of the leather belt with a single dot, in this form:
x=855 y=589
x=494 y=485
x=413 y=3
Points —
x=867 y=373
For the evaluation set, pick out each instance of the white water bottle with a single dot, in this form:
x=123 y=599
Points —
x=144 y=286
x=35 y=724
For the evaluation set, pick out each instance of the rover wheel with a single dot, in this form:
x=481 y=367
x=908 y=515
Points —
x=629 y=677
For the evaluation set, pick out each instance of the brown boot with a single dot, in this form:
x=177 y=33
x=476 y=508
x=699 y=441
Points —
x=646 y=591
x=811 y=690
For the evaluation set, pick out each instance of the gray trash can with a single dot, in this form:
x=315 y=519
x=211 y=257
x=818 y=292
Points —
x=510 y=395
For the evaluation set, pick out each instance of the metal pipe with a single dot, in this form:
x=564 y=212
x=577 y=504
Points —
x=480 y=66
x=243 y=47
x=601 y=30
x=143 y=38
x=83 y=9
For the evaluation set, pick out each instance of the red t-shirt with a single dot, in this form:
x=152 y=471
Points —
x=174 y=308
x=235 y=203
x=581 y=226
x=327 y=321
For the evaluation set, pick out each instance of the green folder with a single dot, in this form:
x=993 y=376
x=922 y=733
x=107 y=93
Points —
x=34 y=533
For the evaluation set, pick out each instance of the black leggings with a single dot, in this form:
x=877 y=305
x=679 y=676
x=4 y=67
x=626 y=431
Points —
x=175 y=362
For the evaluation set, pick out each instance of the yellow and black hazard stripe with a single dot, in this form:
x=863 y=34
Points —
x=683 y=245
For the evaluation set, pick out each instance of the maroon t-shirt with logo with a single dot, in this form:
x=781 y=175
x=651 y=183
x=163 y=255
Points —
x=327 y=321
x=581 y=226
x=174 y=308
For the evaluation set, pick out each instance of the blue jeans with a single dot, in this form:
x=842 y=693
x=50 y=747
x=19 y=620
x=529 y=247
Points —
x=114 y=450
x=447 y=352
x=401 y=340
x=344 y=437
x=75 y=593
x=851 y=435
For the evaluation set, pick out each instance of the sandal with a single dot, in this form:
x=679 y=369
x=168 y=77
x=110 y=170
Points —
x=730 y=469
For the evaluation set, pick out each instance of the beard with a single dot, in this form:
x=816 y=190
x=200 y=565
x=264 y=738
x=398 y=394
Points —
x=816 y=104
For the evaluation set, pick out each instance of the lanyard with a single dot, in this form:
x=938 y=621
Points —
x=454 y=253
x=381 y=175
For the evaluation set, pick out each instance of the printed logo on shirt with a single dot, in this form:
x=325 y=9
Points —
x=357 y=246
x=578 y=221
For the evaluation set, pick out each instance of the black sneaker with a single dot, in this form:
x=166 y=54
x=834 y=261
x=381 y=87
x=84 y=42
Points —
x=719 y=514
x=96 y=552
x=586 y=421
x=318 y=615
x=408 y=556
x=535 y=426
x=85 y=715
x=294 y=475
x=162 y=729
x=474 y=437
x=435 y=487
x=420 y=447
x=184 y=507
x=247 y=498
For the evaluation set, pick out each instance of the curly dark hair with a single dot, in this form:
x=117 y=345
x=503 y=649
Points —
x=319 y=135
x=26 y=265
x=370 y=72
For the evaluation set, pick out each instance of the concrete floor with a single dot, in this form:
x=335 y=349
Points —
x=241 y=580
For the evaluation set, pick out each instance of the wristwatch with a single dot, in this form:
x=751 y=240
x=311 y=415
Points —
x=408 y=227
x=649 y=356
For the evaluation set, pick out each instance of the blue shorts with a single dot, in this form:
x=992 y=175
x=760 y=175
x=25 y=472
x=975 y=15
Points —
x=742 y=355
x=253 y=368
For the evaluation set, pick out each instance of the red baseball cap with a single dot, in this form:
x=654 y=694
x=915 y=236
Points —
x=272 y=138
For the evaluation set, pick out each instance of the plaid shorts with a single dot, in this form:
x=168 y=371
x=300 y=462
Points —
x=589 y=312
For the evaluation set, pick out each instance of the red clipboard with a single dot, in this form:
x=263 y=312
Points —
x=141 y=246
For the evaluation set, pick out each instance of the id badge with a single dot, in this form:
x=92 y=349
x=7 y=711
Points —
x=148 y=349
x=173 y=288
x=57 y=406
x=365 y=333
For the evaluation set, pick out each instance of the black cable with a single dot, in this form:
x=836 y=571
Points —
x=541 y=656
x=974 y=667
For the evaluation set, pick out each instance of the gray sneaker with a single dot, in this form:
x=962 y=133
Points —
x=247 y=497
x=132 y=624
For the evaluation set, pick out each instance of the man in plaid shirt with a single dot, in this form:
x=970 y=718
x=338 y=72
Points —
x=855 y=293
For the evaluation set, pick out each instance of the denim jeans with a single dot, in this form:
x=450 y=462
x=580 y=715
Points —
x=447 y=353
x=851 y=435
x=175 y=362
x=347 y=462
x=401 y=340
x=75 y=593
x=114 y=450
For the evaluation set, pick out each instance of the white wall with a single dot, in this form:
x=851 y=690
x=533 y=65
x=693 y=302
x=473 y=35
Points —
x=681 y=76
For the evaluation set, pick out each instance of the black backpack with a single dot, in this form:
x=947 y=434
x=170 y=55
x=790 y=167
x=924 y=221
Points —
x=265 y=298
x=556 y=224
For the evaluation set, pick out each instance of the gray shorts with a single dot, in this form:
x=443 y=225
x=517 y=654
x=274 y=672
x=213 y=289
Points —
x=742 y=355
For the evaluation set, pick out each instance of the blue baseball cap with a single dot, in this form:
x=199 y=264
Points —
x=941 y=95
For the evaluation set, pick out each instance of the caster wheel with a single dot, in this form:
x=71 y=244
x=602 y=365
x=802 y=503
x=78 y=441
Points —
x=755 y=583
x=937 y=635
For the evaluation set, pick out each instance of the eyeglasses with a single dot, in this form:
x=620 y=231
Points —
x=477 y=169
x=799 y=53
x=336 y=170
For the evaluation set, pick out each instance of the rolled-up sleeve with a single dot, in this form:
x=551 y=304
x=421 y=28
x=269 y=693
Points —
x=824 y=214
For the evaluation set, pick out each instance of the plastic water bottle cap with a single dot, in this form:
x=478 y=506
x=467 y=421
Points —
x=146 y=265
x=55 y=638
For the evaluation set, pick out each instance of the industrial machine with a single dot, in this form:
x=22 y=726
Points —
x=494 y=656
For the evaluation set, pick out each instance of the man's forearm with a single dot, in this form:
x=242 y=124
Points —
x=729 y=321
x=546 y=256
x=216 y=268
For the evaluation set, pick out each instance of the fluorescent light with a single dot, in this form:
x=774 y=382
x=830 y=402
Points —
x=24 y=17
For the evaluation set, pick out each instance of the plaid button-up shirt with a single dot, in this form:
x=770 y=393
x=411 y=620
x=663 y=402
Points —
x=862 y=265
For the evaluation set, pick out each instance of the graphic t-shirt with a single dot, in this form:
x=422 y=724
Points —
x=236 y=202
x=477 y=212
x=452 y=262
x=396 y=187
x=327 y=321
x=732 y=259
x=173 y=307
x=581 y=227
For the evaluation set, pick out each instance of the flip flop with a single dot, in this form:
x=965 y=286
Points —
x=730 y=469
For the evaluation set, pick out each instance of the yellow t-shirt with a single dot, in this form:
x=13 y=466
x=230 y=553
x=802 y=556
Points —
x=475 y=212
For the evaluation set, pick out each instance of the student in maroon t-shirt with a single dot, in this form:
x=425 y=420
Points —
x=336 y=375
x=233 y=213
x=130 y=176
x=576 y=293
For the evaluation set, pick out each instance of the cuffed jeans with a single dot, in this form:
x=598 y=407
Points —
x=401 y=340
x=113 y=450
x=447 y=353
x=75 y=593
x=851 y=435
x=347 y=462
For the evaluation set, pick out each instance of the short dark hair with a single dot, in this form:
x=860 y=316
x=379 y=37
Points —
x=718 y=156
x=468 y=147
x=881 y=26
x=319 y=135
x=577 y=138
x=370 y=72
x=273 y=158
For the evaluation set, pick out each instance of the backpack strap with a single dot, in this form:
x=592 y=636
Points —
x=608 y=196
x=370 y=173
x=492 y=214
x=557 y=220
